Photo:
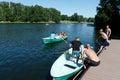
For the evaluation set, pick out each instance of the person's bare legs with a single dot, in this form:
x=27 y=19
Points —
x=101 y=48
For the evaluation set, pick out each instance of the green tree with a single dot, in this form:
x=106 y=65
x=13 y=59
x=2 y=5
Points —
x=16 y=12
x=5 y=11
x=56 y=16
x=90 y=19
x=64 y=17
x=75 y=17
x=108 y=12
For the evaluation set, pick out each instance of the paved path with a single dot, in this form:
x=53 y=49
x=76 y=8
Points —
x=109 y=68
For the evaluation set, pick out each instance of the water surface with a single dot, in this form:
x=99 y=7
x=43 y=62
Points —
x=24 y=56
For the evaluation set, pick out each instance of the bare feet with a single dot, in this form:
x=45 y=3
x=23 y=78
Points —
x=105 y=48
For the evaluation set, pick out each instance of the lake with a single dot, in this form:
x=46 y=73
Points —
x=24 y=56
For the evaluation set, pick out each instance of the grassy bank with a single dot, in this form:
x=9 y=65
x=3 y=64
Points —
x=42 y=22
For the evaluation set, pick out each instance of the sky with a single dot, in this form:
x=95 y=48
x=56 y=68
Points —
x=86 y=8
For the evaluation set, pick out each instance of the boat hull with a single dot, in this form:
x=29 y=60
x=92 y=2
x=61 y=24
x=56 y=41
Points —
x=63 y=68
x=66 y=76
x=57 y=39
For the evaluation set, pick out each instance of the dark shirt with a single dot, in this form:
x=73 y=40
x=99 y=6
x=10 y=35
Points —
x=76 y=45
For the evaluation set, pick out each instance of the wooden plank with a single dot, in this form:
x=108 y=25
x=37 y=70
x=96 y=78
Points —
x=109 y=66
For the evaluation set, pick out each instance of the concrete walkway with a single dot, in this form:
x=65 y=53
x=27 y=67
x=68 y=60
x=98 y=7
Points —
x=109 y=68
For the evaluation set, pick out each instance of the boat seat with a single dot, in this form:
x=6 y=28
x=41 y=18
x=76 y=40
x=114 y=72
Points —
x=70 y=66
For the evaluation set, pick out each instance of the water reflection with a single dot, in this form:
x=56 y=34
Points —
x=24 y=56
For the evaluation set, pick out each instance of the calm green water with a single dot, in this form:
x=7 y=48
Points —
x=23 y=56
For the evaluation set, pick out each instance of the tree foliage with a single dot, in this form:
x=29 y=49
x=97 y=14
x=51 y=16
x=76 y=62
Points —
x=16 y=12
x=108 y=12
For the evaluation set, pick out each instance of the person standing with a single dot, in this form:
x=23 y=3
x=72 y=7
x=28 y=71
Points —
x=104 y=42
x=76 y=46
x=108 y=31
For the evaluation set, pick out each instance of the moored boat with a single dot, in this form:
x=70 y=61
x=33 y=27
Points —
x=56 y=39
x=63 y=68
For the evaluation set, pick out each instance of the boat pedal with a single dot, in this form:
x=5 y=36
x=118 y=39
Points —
x=70 y=66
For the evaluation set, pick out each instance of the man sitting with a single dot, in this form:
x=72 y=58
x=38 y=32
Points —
x=76 y=45
x=92 y=59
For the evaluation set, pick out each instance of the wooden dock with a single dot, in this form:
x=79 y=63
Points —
x=109 y=68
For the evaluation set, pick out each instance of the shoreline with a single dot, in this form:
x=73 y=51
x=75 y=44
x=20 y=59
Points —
x=113 y=36
x=42 y=22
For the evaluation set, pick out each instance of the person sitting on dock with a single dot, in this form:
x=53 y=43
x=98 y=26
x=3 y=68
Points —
x=76 y=45
x=92 y=59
